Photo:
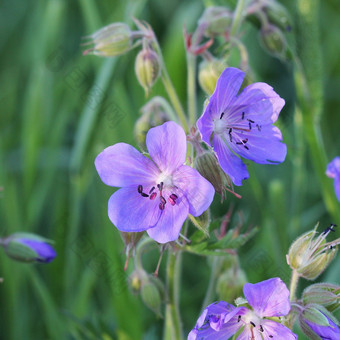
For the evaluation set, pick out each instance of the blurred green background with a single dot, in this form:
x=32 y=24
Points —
x=60 y=109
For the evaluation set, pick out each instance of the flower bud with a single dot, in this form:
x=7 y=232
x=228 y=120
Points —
x=27 y=247
x=216 y=20
x=147 y=68
x=207 y=165
x=273 y=40
x=310 y=255
x=230 y=284
x=136 y=280
x=278 y=15
x=112 y=40
x=155 y=112
x=151 y=294
x=324 y=294
x=209 y=72
x=316 y=322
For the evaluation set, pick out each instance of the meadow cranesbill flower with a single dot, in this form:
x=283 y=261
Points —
x=156 y=194
x=242 y=124
x=222 y=320
x=27 y=247
x=333 y=171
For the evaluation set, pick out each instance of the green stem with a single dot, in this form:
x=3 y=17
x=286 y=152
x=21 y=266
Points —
x=293 y=285
x=173 y=324
x=191 y=87
x=209 y=295
x=170 y=88
x=308 y=80
x=238 y=17
x=144 y=244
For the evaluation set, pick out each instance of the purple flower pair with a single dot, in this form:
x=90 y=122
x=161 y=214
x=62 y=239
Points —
x=157 y=193
x=268 y=299
x=242 y=125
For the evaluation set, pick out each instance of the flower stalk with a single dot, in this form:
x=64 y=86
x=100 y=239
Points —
x=191 y=87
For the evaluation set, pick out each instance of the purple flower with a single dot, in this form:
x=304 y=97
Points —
x=333 y=171
x=330 y=332
x=221 y=320
x=156 y=194
x=44 y=251
x=242 y=124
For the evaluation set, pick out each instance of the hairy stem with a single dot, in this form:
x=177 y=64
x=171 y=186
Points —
x=173 y=324
x=238 y=17
x=191 y=87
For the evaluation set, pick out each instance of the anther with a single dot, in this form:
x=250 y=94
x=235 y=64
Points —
x=160 y=186
x=174 y=197
x=330 y=228
x=242 y=115
x=270 y=336
x=261 y=328
x=249 y=126
x=140 y=189
x=163 y=201
x=222 y=114
x=252 y=323
x=258 y=127
x=161 y=206
x=144 y=194
x=171 y=201
x=151 y=190
x=153 y=195
x=239 y=318
x=230 y=136
x=251 y=121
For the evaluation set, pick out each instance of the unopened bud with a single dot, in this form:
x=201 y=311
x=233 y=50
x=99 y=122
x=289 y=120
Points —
x=209 y=72
x=216 y=21
x=207 y=165
x=147 y=68
x=112 y=40
x=151 y=294
x=324 y=294
x=155 y=112
x=316 y=322
x=136 y=280
x=310 y=255
x=27 y=247
x=230 y=284
x=278 y=15
x=273 y=40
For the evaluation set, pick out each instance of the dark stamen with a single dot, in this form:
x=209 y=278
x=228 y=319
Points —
x=261 y=328
x=171 y=201
x=245 y=140
x=239 y=318
x=222 y=114
x=174 y=197
x=163 y=201
x=140 y=189
x=242 y=115
x=151 y=190
x=251 y=121
x=252 y=323
x=330 y=228
x=270 y=336
x=246 y=147
x=153 y=195
x=144 y=194
x=258 y=127
x=161 y=206
x=161 y=186
x=230 y=136
x=249 y=126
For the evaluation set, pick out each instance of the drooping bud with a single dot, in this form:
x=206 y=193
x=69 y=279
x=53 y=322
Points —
x=136 y=280
x=278 y=15
x=147 y=68
x=316 y=322
x=230 y=284
x=151 y=293
x=207 y=165
x=209 y=72
x=310 y=255
x=216 y=21
x=112 y=40
x=27 y=247
x=155 y=112
x=273 y=40
x=324 y=294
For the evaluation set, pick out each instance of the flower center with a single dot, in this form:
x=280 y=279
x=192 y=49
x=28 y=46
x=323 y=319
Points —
x=162 y=191
x=253 y=323
x=234 y=129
